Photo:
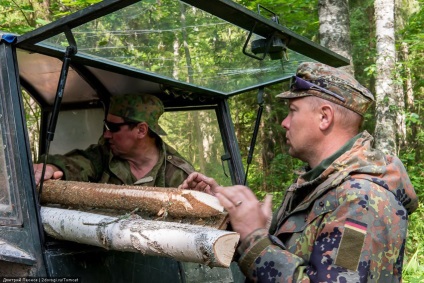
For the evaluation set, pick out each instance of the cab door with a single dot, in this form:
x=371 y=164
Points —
x=21 y=252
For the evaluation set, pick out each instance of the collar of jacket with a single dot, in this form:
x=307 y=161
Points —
x=315 y=172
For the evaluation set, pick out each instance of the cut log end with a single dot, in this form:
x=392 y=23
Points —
x=224 y=249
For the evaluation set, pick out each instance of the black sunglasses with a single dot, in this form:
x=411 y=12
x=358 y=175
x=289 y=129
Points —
x=116 y=127
x=300 y=84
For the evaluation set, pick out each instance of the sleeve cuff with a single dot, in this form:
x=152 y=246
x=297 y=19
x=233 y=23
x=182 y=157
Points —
x=251 y=247
x=251 y=239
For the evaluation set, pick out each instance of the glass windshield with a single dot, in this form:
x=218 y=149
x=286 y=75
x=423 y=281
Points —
x=198 y=140
x=179 y=42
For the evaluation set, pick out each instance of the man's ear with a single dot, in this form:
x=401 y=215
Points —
x=142 y=128
x=326 y=117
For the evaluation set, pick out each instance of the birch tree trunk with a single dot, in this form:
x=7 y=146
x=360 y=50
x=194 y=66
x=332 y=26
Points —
x=334 y=29
x=388 y=102
x=181 y=242
x=408 y=77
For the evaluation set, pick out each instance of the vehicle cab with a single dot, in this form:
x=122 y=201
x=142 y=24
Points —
x=193 y=55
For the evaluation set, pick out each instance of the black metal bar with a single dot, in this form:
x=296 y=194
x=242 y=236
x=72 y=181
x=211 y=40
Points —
x=246 y=44
x=255 y=131
x=76 y=19
x=71 y=50
x=230 y=142
x=244 y=18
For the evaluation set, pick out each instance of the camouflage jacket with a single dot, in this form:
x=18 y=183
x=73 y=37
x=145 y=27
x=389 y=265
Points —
x=349 y=224
x=97 y=164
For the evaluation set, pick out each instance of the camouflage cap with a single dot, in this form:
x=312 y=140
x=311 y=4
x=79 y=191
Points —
x=351 y=93
x=139 y=108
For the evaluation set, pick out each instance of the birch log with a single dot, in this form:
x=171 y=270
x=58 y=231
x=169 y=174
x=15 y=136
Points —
x=173 y=201
x=182 y=242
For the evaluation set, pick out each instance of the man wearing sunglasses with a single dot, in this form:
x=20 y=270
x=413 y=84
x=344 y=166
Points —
x=130 y=151
x=345 y=218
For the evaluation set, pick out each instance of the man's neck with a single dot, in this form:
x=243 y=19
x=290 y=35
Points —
x=329 y=145
x=143 y=161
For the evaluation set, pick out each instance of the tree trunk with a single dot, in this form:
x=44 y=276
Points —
x=172 y=201
x=181 y=242
x=334 y=29
x=197 y=133
x=409 y=90
x=408 y=77
x=387 y=102
x=268 y=141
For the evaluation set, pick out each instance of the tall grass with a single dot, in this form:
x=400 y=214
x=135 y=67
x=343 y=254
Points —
x=413 y=269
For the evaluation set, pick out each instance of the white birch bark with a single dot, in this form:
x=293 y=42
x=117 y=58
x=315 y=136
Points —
x=334 y=29
x=182 y=242
x=408 y=77
x=387 y=100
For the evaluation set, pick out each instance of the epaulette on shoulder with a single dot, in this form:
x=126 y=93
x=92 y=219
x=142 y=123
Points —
x=180 y=163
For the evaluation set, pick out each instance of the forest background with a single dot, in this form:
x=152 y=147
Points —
x=272 y=169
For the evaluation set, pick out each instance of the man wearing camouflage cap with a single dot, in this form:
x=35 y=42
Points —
x=345 y=217
x=130 y=152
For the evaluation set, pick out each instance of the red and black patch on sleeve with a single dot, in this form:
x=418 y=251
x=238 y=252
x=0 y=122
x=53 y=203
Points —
x=353 y=238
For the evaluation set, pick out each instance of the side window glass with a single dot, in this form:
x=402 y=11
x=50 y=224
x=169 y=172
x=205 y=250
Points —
x=9 y=201
x=5 y=204
x=77 y=129
x=196 y=136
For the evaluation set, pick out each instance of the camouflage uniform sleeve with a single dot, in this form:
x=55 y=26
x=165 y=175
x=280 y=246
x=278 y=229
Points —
x=354 y=233
x=263 y=261
x=81 y=165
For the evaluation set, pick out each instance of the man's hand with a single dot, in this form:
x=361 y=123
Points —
x=247 y=214
x=199 y=182
x=52 y=172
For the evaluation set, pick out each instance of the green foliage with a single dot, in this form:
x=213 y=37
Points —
x=279 y=178
x=413 y=119
x=414 y=257
x=299 y=16
x=201 y=144
x=363 y=39
x=21 y=16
